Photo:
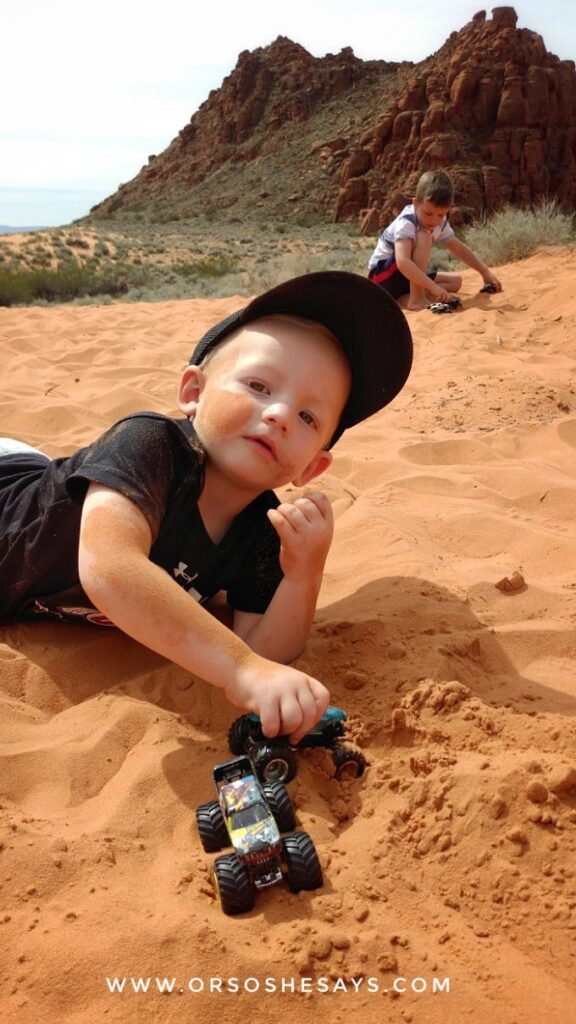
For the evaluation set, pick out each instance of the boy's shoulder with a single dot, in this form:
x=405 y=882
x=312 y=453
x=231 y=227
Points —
x=405 y=224
x=138 y=428
x=407 y=212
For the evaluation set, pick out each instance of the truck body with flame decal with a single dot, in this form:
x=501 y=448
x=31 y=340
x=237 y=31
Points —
x=250 y=816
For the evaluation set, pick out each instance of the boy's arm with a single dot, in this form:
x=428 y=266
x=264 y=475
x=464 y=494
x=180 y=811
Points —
x=464 y=252
x=141 y=599
x=406 y=266
x=305 y=528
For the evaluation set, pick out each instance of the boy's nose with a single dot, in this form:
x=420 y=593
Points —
x=279 y=414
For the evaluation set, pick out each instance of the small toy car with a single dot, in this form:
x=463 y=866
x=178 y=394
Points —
x=250 y=817
x=446 y=307
x=274 y=759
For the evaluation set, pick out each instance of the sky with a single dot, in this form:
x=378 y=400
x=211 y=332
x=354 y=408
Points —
x=90 y=90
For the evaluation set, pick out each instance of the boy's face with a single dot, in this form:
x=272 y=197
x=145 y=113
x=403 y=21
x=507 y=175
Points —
x=430 y=216
x=268 y=402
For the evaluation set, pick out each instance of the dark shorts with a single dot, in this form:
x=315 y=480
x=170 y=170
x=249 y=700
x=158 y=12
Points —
x=386 y=274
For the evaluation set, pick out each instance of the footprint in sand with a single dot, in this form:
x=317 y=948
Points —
x=567 y=432
x=445 y=453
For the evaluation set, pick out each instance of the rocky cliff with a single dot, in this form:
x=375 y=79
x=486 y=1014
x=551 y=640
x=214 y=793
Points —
x=294 y=137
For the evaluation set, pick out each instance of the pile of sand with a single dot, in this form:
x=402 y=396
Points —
x=446 y=630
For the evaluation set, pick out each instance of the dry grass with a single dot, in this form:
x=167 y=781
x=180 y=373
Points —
x=143 y=262
x=513 y=234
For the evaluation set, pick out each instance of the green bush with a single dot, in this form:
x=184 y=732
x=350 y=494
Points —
x=68 y=281
x=78 y=243
x=513 y=234
x=213 y=265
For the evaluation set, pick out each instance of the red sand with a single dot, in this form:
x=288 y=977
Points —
x=455 y=856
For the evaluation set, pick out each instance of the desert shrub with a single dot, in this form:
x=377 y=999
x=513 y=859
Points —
x=293 y=264
x=512 y=234
x=213 y=265
x=78 y=243
x=68 y=281
x=441 y=259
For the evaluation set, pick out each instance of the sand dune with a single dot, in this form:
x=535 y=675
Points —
x=446 y=628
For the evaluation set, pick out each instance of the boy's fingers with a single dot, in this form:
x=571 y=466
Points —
x=305 y=512
x=308 y=717
x=315 y=508
x=282 y=523
x=270 y=718
x=293 y=520
x=294 y=713
x=290 y=713
x=315 y=708
x=321 y=696
x=319 y=499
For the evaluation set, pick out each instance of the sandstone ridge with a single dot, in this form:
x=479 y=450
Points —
x=304 y=139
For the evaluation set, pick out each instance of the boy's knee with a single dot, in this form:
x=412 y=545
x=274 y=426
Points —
x=422 y=242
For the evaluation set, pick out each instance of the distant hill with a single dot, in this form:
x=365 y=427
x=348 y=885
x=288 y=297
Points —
x=291 y=138
x=6 y=229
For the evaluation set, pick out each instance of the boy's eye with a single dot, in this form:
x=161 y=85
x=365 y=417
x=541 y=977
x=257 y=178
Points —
x=308 y=418
x=257 y=385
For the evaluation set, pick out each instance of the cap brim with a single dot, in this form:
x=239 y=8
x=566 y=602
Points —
x=369 y=325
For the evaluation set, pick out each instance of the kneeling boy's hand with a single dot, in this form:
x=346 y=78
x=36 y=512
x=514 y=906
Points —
x=491 y=278
x=441 y=295
x=305 y=528
x=288 y=701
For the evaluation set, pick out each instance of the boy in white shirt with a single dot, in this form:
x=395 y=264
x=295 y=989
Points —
x=400 y=260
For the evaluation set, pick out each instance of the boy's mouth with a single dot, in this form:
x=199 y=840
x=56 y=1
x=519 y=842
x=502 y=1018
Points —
x=265 y=443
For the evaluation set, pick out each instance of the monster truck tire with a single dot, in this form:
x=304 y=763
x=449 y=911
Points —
x=302 y=865
x=211 y=827
x=241 y=732
x=279 y=804
x=273 y=761
x=232 y=884
x=348 y=763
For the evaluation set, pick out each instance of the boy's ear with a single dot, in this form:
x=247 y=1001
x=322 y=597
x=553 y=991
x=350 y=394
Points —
x=189 y=390
x=319 y=464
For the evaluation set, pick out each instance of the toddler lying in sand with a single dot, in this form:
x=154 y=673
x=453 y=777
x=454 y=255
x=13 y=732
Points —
x=143 y=526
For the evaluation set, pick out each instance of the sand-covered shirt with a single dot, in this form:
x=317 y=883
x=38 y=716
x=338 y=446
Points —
x=158 y=463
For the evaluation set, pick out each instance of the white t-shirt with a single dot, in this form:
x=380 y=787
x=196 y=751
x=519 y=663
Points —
x=406 y=225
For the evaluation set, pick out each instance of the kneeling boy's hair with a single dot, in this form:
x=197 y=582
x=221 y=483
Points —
x=435 y=187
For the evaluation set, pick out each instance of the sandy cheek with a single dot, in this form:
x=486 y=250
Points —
x=228 y=413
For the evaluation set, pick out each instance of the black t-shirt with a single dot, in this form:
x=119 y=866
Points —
x=156 y=462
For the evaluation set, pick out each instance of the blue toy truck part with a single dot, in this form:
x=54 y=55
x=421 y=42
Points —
x=274 y=759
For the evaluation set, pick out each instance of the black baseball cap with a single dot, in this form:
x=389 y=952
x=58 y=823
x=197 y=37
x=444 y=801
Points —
x=370 y=326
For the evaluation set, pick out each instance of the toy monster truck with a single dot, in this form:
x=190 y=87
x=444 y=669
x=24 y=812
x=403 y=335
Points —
x=274 y=760
x=251 y=816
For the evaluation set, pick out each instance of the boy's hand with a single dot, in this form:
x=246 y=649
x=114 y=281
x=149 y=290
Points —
x=305 y=528
x=490 y=278
x=441 y=294
x=288 y=701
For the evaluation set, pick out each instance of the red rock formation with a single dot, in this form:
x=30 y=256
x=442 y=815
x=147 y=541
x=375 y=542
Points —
x=271 y=90
x=493 y=108
x=334 y=138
